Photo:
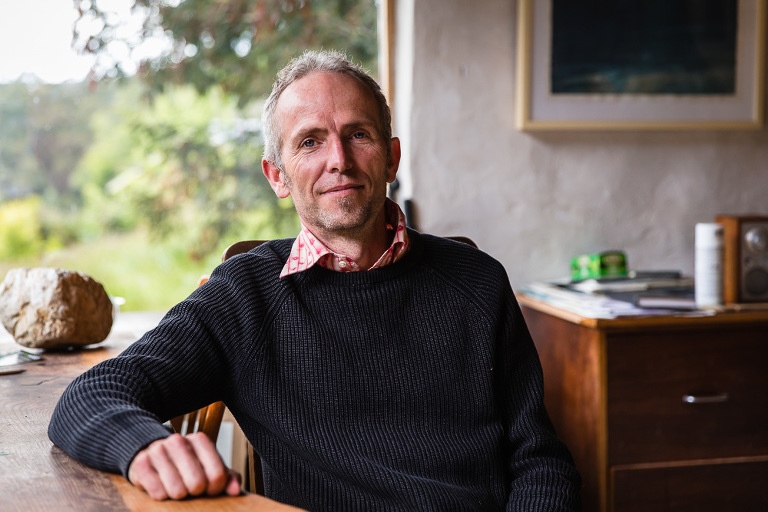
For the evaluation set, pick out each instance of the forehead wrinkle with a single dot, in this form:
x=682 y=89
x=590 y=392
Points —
x=308 y=116
x=321 y=101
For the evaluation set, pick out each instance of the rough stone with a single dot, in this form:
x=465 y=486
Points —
x=52 y=308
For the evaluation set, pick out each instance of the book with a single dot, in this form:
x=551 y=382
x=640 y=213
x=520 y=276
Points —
x=669 y=297
x=637 y=281
x=590 y=305
x=642 y=293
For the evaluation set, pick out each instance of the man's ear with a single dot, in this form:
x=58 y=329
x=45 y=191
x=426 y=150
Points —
x=275 y=178
x=394 y=159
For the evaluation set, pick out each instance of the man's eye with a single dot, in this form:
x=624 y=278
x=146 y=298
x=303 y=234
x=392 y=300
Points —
x=359 y=135
x=309 y=143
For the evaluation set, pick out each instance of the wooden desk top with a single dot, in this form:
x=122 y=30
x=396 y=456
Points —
x=682 y=320
x=35 y=475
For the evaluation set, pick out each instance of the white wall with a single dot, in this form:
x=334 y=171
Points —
x=535 y=200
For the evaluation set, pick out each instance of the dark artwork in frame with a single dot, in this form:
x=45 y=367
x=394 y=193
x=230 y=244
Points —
x=680 y=47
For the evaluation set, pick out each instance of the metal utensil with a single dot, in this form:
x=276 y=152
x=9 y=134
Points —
x=12 y=372
x=20 y=357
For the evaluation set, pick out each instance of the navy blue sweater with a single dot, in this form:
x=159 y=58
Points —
x=411 y=387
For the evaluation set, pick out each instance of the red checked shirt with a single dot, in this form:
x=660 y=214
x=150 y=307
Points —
x=307 y=250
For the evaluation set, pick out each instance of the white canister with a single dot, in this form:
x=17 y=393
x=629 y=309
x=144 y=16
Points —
x=709 y=265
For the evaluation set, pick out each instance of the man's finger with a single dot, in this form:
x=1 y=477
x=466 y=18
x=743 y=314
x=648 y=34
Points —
x=216 y=473
x=168 y=456
x=182 y=455
x=234 y=484
x=142 y=474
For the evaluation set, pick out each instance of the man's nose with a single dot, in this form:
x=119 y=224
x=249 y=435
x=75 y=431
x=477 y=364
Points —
x=339 y=158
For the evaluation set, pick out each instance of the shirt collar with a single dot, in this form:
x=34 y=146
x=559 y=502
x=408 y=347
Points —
x=308 y=251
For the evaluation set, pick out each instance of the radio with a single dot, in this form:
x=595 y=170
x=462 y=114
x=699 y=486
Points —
x=745 y=258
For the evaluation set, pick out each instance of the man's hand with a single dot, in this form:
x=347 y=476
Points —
x=177 y=467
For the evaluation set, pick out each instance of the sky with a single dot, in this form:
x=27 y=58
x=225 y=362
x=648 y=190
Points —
x=36 y=37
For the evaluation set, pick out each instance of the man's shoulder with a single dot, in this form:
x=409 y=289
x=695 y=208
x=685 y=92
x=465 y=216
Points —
x=447 y=250
x=461 y=262
x=477 y=281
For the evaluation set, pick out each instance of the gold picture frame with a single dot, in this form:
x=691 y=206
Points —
x=538 y=108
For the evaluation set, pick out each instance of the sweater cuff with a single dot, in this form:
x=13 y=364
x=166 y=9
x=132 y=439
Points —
x=136 y=439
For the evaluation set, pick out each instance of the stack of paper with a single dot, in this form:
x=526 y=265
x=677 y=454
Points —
x=616 y=297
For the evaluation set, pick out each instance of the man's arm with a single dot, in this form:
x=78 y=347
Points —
x=542 y=470
x=111 y=417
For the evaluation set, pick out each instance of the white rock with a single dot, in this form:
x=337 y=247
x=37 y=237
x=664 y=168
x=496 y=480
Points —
x=53 y=308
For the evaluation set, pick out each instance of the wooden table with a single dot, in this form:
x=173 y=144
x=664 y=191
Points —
x=35 y=475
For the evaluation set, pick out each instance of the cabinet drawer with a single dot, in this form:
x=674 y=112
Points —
x=709 y=488
x=724 y=374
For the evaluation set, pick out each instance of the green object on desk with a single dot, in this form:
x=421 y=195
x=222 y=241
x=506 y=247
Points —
x=605 y=264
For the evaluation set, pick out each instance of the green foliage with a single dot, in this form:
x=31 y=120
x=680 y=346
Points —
x=142 y=187
x=20 y=229
x=43 y=132
x=112 y=141
x=149 y=275
x=237 y=45
x=189 y=169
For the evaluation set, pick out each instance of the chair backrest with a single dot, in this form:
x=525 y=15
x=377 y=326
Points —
x=207 y=420
x=464 y=239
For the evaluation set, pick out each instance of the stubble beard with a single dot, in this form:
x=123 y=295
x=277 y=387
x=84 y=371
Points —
x=348 y=217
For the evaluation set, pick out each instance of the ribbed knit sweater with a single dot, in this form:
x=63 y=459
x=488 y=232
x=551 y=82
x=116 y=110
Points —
x=411 y=387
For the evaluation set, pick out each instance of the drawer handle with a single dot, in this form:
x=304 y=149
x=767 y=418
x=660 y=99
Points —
x=706 y=399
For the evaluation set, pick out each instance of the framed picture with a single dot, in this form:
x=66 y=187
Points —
x=640 y=64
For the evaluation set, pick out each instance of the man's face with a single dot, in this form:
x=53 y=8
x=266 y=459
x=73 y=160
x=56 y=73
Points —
x=334 y=156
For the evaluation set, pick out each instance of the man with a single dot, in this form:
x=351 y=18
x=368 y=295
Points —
x=371 y=366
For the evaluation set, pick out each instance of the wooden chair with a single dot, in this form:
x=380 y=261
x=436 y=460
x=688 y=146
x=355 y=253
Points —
x=207 y=420
x=464 y=239
x=240 y=247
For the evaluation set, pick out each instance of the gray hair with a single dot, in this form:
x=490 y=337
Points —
x=331 y=61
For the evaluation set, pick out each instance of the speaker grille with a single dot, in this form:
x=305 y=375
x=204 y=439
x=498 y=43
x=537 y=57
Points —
x=754 y=260
x=756 y=282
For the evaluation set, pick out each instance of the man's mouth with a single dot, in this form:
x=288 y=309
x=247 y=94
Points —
x=340 y=189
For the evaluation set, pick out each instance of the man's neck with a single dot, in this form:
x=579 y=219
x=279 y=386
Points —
x=364 y=245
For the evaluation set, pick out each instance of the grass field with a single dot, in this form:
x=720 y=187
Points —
x=148 y=275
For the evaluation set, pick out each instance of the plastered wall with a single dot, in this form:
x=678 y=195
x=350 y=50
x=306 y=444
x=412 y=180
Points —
x=535 y=200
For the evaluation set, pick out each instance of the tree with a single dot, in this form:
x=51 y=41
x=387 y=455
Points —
x=194 y=167
x=187 y=165
x=237 y=45
x=43 y=133
x=18 y=172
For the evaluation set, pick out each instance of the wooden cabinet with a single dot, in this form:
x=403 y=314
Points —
x=661 y=413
